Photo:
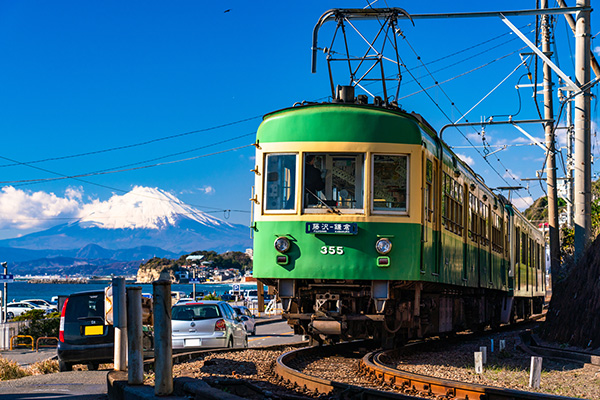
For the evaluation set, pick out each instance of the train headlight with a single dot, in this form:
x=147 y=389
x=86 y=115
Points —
x=383 y=246
x=282 y=244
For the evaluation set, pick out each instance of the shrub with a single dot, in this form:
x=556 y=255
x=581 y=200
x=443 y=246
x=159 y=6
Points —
x=41 y=325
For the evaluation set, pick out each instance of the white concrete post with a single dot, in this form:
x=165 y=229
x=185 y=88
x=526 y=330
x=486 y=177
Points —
x=478 y=362
x=163 y=354
x=135 y=336
x=120 y=323
x=535 y=375
x=483 y=350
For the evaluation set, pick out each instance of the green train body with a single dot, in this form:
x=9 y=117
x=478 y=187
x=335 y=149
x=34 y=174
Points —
x=397 y=239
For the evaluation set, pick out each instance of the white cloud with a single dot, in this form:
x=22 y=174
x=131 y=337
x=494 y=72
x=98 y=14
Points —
x=207 y=190
x=522 y=203
x=597 y=50
x=21 y=209
x=468 y=160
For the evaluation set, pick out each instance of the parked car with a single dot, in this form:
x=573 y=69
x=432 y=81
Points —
x=185 y=300
x=247 y=317
x=17 y=308
x=42 y=304
x=83 y=337
x=206 y=324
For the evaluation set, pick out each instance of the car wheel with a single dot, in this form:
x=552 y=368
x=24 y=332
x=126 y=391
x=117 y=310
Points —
x=253 y=331
x=230 y=343
x=93 y=366
x=64 y=366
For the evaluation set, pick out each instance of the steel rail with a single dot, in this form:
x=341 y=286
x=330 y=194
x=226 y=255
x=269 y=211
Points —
x=326 y=386
x=372 y=365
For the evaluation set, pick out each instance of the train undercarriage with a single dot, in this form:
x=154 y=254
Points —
x=393 y=312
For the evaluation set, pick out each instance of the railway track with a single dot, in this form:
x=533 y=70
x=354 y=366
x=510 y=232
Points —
x=388 y=383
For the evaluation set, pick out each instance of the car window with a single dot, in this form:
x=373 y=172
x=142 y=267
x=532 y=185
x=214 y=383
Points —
x=84 y=306
x=238 y=311
x=195 y=312
x=229 y=310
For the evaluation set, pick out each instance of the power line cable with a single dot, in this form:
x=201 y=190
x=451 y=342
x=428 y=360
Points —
x=129 y=146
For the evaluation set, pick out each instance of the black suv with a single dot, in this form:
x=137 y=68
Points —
x=83 y=337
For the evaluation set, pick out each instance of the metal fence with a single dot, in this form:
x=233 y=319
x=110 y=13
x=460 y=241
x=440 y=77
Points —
x=9 y=329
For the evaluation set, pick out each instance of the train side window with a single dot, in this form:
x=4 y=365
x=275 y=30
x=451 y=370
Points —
x=280 y=182
x=390 y=183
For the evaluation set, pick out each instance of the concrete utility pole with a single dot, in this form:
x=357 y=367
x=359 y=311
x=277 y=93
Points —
x=135 y=336
x=583 y=171
x=120 y=323
x=569 y=161
x=4 y=301
x=550 y=150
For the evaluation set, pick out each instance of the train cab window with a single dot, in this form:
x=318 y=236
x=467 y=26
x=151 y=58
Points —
x=390 y=183
x=333 y=182
x=280 y=182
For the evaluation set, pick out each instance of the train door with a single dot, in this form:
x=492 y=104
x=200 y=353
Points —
x=428 y=219
x=482 y=245
x=472 y=238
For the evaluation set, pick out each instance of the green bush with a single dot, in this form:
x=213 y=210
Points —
x=41 y=325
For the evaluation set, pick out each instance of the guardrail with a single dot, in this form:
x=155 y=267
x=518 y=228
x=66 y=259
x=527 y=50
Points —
x=37 y=342
x=21 y=344
x=271 y=309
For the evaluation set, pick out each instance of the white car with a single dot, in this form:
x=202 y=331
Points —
x=17 y=308
x=41 y=304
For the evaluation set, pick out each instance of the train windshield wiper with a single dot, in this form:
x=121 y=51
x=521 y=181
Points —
x=330 y=208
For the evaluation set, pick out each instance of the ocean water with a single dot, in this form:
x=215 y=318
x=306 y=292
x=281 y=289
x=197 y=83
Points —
x=20 y=290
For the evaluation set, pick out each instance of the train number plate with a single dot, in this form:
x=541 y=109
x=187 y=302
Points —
x=339 y=250
x=343 y=228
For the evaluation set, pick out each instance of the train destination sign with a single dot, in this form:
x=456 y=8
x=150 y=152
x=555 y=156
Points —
x=6 y=278
x=343 y=228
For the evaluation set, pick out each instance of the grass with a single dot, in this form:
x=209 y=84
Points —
x=12 y=370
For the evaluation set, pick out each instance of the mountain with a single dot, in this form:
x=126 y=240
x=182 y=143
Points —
x=143 y=223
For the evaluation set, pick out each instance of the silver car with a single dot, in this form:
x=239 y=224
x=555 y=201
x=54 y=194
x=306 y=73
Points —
x=246 y=317
x=207 y=324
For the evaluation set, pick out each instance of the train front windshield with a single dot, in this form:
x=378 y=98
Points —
x=333 y=181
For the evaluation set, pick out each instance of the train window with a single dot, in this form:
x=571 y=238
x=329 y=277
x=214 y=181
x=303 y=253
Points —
x=497 y=239
x=452 y=205
x=280 y=182
x=333 y=182
x=390 y=182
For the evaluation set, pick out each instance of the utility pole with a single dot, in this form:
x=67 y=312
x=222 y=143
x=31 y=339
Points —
x=569 y=161
x=4 y=302
x=553 y=228
x=583 y=171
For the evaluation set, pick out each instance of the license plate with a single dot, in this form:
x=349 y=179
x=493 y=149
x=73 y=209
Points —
x=93 y=330
x=193 y=342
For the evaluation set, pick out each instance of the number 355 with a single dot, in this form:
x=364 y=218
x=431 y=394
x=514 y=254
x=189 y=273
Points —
x=332 y=250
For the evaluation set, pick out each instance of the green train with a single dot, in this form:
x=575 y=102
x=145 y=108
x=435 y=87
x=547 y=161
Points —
x=367 y=225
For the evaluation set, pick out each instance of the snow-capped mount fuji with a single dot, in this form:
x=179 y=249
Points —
x=143 y=208
x=143 y=217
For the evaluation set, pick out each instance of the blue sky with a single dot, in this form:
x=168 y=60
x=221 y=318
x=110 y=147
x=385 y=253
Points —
x=85 y=77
